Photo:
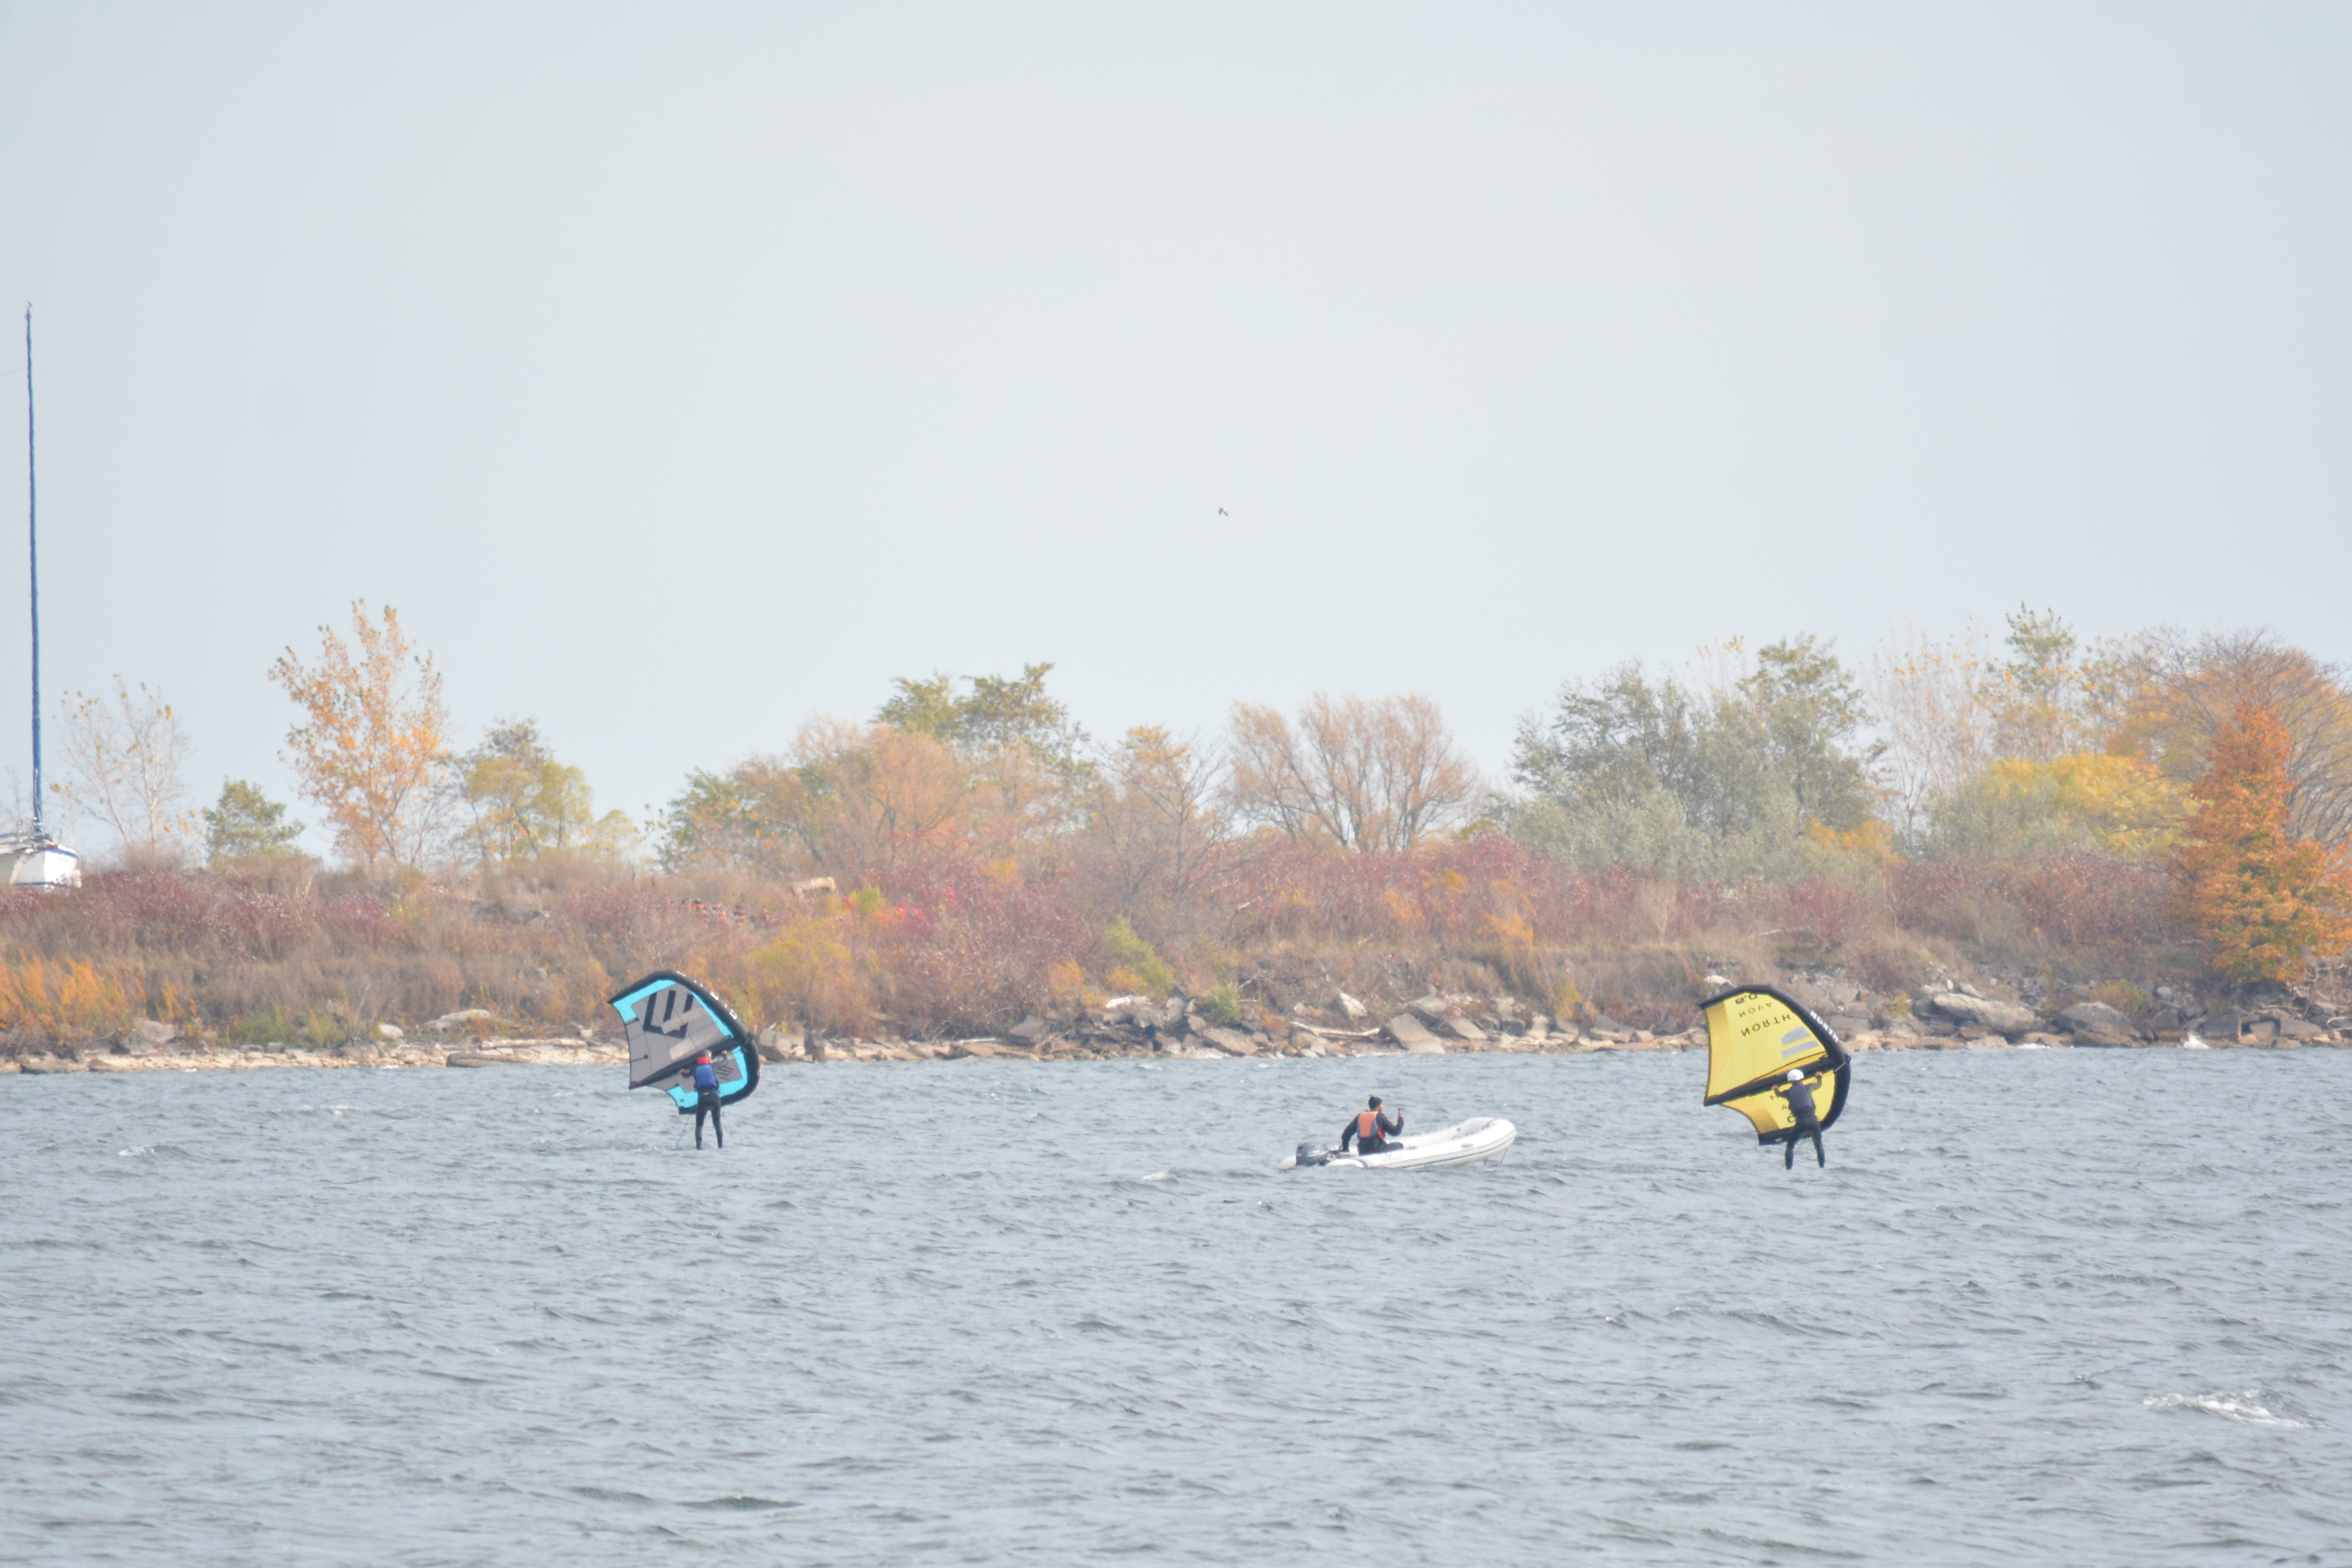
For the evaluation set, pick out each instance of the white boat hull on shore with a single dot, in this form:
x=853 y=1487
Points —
x=1463 y=1143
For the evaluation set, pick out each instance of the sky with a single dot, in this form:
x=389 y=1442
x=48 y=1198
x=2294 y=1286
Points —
x=684 y=373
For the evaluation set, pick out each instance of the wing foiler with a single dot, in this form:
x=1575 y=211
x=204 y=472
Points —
x=669 y=1020
x=1754 y=1035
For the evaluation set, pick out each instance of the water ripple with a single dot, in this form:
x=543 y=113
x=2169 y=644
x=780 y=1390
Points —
x=982 y=1310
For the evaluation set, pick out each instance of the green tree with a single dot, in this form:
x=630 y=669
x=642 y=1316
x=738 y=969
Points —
x=246 y=824
x=2034 y=698
x=527 y=804
x=740 y=818
x=1680 y=781
x=1131 y=964
x=924 y=708
x=1807 y=710
x=999 y=714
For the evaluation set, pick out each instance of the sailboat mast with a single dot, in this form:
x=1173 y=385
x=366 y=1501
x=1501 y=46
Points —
x=33 y=560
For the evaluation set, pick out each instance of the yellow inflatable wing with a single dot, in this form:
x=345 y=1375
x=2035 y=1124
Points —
x=1754 y=1035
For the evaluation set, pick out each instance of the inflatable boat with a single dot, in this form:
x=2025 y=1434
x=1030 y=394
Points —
x=1480 y=1138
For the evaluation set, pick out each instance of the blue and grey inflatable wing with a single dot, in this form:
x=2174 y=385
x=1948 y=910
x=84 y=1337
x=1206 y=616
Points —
x=669 y=1020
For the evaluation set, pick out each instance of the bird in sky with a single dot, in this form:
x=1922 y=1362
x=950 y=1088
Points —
x=1222 y=513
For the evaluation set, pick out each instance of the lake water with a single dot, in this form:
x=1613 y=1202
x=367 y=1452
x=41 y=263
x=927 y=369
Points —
x=2080 y=1306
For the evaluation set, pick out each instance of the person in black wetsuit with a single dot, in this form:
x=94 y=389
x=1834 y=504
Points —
x=706 y=1100
x=1808 y=1120
x=1371 y=1129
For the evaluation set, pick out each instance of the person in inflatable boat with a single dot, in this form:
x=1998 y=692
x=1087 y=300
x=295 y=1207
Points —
x=1371 y=1129
x=1808 y=1120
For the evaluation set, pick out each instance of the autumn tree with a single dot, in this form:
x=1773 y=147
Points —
x=123 y=757
x=1157 y=816
x=2189 y=689
x=2086 y=802
x=738 y=819
x=735 y=819
x=1026 y=756
x=867 y=802
x=859 y=803
x=1361 y=774
x=2055 y=695
x=369 y=748
x=2014 y=755
x=2266 y=900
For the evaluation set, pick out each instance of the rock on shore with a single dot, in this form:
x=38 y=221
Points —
x=1947 y=1013
x=384 y=1054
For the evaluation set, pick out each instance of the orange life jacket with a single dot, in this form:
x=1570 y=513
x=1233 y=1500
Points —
x=1368 y=1125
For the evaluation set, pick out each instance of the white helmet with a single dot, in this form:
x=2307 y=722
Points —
x=1796 y=1075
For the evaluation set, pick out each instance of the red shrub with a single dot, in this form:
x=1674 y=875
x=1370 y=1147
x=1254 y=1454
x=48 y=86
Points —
x=2099 y=906
x=1826 y=911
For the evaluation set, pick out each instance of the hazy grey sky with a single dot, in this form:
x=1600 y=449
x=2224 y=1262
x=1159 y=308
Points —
x=683 y=372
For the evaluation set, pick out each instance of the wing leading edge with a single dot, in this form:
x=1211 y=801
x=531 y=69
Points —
x=1755 y=1034
x=669 y=1020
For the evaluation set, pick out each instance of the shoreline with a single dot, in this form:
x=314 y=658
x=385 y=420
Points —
x=489 y=1054
x=565 y=1052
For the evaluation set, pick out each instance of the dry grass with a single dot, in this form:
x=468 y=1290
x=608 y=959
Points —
x=287 y=953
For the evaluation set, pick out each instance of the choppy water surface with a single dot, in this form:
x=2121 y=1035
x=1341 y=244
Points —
x=2058 y=1305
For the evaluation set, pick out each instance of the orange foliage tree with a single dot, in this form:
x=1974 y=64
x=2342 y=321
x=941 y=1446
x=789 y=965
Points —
x=856 y=802
x=370 y=743
x=2189 y=689
x=2266 y=901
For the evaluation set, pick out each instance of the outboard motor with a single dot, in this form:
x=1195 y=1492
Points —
x=1309 y=1154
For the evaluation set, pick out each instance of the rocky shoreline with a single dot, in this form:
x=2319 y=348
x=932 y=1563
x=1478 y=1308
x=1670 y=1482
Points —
x=569 y=1051
x=1950 y=1017
x=1947 y=1016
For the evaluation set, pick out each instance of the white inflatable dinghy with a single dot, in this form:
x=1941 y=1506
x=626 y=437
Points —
x=1480 y=1138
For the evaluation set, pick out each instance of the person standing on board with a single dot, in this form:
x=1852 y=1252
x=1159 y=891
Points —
x=1371 y=1129
x=1807 y=1120
x=706 y=1100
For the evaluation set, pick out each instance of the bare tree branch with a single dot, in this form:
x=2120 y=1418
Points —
x=1361 y=774
x=123 y=757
